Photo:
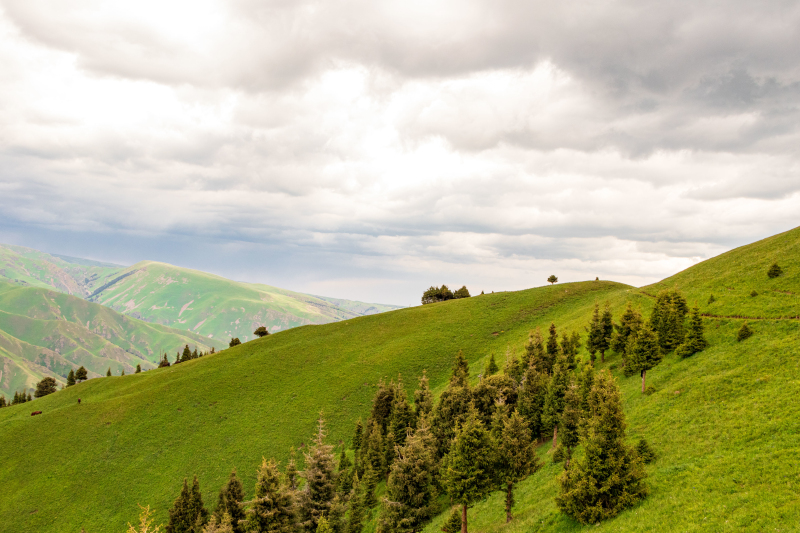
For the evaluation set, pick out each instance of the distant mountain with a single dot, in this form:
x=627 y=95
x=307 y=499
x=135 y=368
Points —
x=189 y=300
x=47 y=333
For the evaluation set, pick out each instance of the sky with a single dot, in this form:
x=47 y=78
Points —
x=367 y=150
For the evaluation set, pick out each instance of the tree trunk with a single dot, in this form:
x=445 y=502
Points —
x=555 y=434
x=644 y=372
x=464 y=519
x=509 y=501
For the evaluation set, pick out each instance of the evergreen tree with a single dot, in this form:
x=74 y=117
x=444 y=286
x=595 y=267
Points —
x=711 y=299
x=273 y=508
x=668 y=317
x=571 y=420
x=81 y=375
x=423 y=399
x=461 y=293
x=402 y=417
x=122 y=373
x=409 y=501
x=531 y=399
x=514 y=368
x=487 y=393
x=230 y=503
x=373 y=451
x=606 y=331
x=145 y=523
x=644 y=451
x=188 y=515
x=29 y=398
x=47 y=386
x=382 y=405
x=187 y=354
x=336 y=520
x=164 y=362
x=108 y=372
x=323 y=526
x=554 y=401
x=358 y=435
x=516 y=454
x=570 y=344
x=629 y=323
x=2 y=401
x=355 y=521
x=491 y=366
x=695 y=341
x=585 y=382
x=744 y=333
x=595 y=333
x=219 y=525
x=71 y=378
x=460 y=376
x=551 y=349
x=320 y=488
x=388 y=452
x=645 y=352
x=291 y=471
x=774 y=271
x=194 y=353
x=609 y=476
x=453 y=522
x=370 y=483
x=467 y=468
x=344 y=475
x=534 y=352
x=452 y=407
x=138 y=369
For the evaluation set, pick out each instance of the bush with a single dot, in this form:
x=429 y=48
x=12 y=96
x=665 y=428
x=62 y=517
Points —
x=754 y=293
x=711 y=299
x=234 y=342
x=644 y=451
x=649 y=390
x=559 y=454
x=744 y=332
x=774 y=271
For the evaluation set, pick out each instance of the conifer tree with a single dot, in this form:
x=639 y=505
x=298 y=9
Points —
x=467 y=467
x=373 y=451
x=487 y=393
x=409 y=500
x=108 y=373
x=744 y=332
x=554 y=401
x=453 y=522
x=47 y=386
x=323 y=526
x=629 y=323
x=370 y=483
x=71 y=378
x=81 y=375
x=514 y=368
x=668 y=317
x=570 y=344
x=29 y=398
x=516 y=455
x=644 y=451
x=606 y=331
x=452 y=407
x=358 y=435
x=460 y=376
x=2 y=401
x=138 y=369
x=219 y=525
x=645 y=352
x=774 y=271
x=531 y=399
x=164 y=361
x=609 y=476
x=585 y=382
x=695 y=341
x=194 y=353
x=355 y=520
x=291 y=471
x=551 y=349
x=571 y=420
x=187 y=354
x=491 y=366
x=711 y=299
x=344 y=476
x=402 y=417
x=382 y=406
x=336 y=519
x=320 y=488
x=595 y=333
x=145 y=522
x=388 y=452
x=534 y=352
x=423 y=399
x=230 y=503
x=273 y=508
x=188 y=515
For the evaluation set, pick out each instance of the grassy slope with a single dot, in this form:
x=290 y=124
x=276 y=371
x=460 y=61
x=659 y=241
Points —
x=134 y=438
x=45 y=333
x=214 y=306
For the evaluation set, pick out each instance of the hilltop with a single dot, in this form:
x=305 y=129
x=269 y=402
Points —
x=723 y=422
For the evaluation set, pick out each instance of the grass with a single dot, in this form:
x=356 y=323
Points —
x=724 y=423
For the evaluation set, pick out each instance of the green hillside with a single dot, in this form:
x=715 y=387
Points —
x=216 y=307
x=46 y=333
x=724 y=422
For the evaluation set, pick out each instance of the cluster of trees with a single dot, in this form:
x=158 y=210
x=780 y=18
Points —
x=181 y=357
x=476 y=439
x=443 y=293
x=19 y=397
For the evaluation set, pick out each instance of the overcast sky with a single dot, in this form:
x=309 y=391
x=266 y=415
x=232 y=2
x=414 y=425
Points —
x=366 y=149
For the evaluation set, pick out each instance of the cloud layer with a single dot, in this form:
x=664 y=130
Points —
x=369 y=149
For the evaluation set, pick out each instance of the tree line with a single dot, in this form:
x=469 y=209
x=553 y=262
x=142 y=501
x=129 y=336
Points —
x=443 y=293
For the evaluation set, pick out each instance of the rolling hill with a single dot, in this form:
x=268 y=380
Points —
x=724 y=422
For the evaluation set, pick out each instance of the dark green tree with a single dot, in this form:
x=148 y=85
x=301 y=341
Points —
x=744 y=333
x=606 y=331
x=460 y=375
x=357 y=514
x=230 y=503
x=645 y=352
x=138 y=369
x=486 y=394
x=644 y=451
x=188 y=515
x=609 y=477
x=453 y=522
x=531 y=399
x=195 y=355
x=629 y=323
x=370 y=483
x=551 y=349
x=461 y=293
x=373 y=451
x=467 y=469
x=423 y=399
x=668 y=317
x=570 y=345
x=81 y=375
x=711 y=299
x=516 y=455
x=2 y=401
x=552 y=279
x=186 y=355
x=234 y=342
x=344 y=474
x=71 y=378
x=514 y=368
x=320 y=488
x=261 y=331
x=585 y=384
x=108 y=372
x=554 y=401
x=164 y=362
x=409 y=501
x=595 y=333
x=695 y=340
x=358 y=435
x=382 y=405
x=402 y=417
x=273 y=508
x=452 y=407
x=774 y=271
x=534 y=352
x=491 y=367
x=571 y=420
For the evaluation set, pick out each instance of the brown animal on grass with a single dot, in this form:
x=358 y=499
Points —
x=36 y=413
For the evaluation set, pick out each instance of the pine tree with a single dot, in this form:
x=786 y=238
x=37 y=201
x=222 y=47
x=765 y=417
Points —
x=291 y=470
x=402 y=417
x=453 y=522
x=609 y=477
x=108 y=373
x=585 y=383
x=570 y=344
x=571 y=420
x=531 y=399
x=595 y=333
x=188 y=515
x=47 y=386
x=491 y=366
x=551 y=349
x=711 y=299
x=629 y=323
x=373 y=452
x=194 y=353
x=164 y=362
x=81 y=375
x=423 y=399
x=514 y=368
x=668 y=317
x=645 y=352
x=534 y=352
x=695 y=341
x=358 y=435
x=408 y=504
x=145 y=522
x=323 y=526
x=219 y=525
x=344 y=475
x=516 y=454
x=606 y=331
x=122 y=373
x=28 y=399
x=138 y=369
x=467 y=468
x=644 y=451
x=554 y=401
x=388 y=452
x=71 y=378
x=2 y=401
x=744 y=333
x=460 y=376
x=355 y=520
x=187 y=354
x=774 y=271
x=370 y=483
x=273 y=508
x=382 y=405
x=320 y=488
x=230 y=503
x=450 y=411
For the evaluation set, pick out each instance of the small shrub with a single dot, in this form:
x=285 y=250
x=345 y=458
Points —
x=754 y=293
x=744 y=332
x=649 y=390
x=559 y=454
x=711 y=299
x=774 y=271
x=644 y=451
x=453 y=522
